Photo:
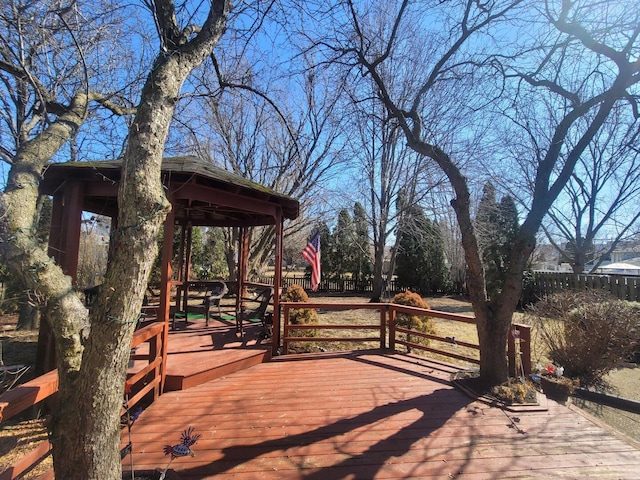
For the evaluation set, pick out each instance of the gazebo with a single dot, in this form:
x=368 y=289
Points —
x=200 y=193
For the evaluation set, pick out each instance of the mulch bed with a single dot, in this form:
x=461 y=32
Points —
x=469 y=383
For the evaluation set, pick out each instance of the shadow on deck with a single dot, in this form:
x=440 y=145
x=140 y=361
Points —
x=365 y=415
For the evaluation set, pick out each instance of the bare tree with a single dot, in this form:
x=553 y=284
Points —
x=583 y=94
x=92 y=352
x=598 y=208
x=389 y=170
x=390 y=177
x=290 y=143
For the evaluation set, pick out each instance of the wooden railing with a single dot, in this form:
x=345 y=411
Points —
x=518 y=347
x=43 y=388
x=16 y=401
x=147 y=379
x=394 y=329
x=380 y=327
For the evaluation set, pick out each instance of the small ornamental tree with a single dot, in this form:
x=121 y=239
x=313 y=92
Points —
x=420 y=323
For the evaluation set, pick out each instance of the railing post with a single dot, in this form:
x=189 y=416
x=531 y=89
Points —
x=383 y=328
x=285 y=333
x=525 y=347
x=523 y=334
x=155 y=351
x=392 y=328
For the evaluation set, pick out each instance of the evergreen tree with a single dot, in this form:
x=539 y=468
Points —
x=420 y=260
x=344 y=242
x=437 y=278
x=363 y=266
x=487 y=220
x=497 y=226
x=212 y=263
x=327 y=253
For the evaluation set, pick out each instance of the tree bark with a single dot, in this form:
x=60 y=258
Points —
x=378 y=264
x=91 y=398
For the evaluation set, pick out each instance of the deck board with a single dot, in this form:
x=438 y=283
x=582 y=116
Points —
x=368 y=415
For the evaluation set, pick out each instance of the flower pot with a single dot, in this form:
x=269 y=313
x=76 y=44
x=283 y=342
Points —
x=556 y=389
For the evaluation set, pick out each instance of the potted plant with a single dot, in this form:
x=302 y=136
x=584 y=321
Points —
x=555 y=385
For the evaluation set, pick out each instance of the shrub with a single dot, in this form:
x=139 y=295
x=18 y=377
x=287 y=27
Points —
x=588 y=333
x=420 y=323
x=514 y=392
x=302 y=316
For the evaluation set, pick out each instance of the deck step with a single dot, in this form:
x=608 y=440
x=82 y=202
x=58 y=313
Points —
x=207 y=368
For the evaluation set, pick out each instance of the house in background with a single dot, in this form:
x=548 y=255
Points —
x=628 y=252
x=620 y=268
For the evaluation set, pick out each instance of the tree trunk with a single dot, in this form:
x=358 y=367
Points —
x=29 y=318
x=378 y=280
x=231 y=252
x=492 y=336
x=91 y=399
x=20 y=247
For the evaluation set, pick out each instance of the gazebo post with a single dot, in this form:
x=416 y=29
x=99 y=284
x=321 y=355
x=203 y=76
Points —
x=64 y=247
x=180 y=277
x=187 y=268
x=165 y=289
x=277 y=283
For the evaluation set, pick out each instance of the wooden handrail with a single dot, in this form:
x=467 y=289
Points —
x=146 y=333
x=388 y=313
x=24 y=396
x=286 y=308
x=456 y=317
x=395 y=308
x=18 y=399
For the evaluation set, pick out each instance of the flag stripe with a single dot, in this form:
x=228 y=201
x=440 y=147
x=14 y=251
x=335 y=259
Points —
x=311 y=254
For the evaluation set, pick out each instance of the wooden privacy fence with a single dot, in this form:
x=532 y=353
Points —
x=623 y=287
x=339 y=285
x=541 y=284
x=43 y=389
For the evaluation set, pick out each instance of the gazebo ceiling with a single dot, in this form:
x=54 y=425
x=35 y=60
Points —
x=200 y=192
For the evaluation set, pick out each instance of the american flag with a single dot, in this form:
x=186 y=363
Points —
x=311 y=254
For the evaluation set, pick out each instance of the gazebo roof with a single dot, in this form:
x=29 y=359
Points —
x=200 y=192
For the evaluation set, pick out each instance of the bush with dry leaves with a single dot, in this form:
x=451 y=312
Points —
x=588 y=333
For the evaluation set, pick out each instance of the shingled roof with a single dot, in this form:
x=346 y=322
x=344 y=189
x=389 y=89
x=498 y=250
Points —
x=201 y=193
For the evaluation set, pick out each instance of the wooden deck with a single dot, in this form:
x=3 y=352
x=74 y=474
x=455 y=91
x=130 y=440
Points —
x=197 y=353
x=368 y=415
